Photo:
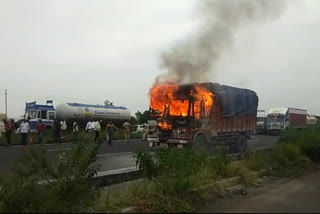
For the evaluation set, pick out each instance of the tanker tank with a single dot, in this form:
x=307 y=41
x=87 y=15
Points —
x=82 y=113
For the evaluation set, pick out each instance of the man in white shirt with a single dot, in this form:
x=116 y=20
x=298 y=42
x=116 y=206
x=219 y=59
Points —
x=63 y=125
x=90 y=129
x=97 y=129
x=24 y=130
x=75 y=130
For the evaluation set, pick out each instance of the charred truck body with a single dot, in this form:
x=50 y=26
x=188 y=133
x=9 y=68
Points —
x=203 y=113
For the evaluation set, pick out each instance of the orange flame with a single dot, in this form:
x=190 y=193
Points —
x=165 y=126
x=163 y=95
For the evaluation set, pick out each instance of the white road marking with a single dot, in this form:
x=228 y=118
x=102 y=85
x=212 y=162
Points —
x=117 y=171
x=53 y=144
x=254 y=140
x=114 y=154
x=55 y=150
x=101 y=155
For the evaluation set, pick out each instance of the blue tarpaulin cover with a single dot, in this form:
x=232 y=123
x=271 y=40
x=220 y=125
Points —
x=234 y=101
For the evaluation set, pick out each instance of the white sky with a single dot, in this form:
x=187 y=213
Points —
x=89 y=51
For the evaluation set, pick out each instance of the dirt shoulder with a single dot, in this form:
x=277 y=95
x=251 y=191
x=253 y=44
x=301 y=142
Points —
x=297 y=195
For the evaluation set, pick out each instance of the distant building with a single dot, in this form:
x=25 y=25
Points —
x=2 y=116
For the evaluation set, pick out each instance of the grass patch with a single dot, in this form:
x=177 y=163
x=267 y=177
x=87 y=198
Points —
x=37 y=186
x=173 y=177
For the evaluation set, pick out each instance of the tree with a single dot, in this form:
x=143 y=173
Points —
x=133 y=121
x=108 y=103
x=142 y=117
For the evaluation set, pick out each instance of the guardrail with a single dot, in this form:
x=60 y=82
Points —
x=107 y=178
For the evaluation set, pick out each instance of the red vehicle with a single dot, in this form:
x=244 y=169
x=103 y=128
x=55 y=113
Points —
x=201 y=114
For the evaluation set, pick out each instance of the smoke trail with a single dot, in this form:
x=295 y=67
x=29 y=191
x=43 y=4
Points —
x=192 y=59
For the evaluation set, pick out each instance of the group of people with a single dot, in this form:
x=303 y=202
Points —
x=24 y=129
x=94 y=128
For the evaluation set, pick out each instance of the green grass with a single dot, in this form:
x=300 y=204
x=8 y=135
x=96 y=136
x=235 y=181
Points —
x=38 y=186
x=308 y=140
x=173 y=177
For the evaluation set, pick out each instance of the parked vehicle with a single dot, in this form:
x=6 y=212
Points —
x=311 y=119
x=137 y=128
x=73 y=112
x=199 y=114
x=279 y=119
x=261 y=122
x=82 y=113
x=34 y=112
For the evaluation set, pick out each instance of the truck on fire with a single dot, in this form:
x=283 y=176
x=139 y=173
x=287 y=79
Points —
x=200 y=114
x=279 y=119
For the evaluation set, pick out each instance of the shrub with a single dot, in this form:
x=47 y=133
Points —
x=258 y=161
x=145 y=162
x=308 y=139
x=313 y=153
x=240 y=169
x=38 y=186
x=172 y=172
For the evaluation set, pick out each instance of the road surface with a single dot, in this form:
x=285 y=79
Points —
x=117 y=156
x=300 y=195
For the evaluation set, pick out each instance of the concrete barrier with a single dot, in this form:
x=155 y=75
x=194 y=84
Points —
x=110 y=177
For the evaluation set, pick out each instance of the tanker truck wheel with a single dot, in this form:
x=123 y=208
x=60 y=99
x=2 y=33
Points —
x=241 y=144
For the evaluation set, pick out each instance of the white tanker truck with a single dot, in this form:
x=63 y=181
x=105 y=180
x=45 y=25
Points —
x=75 y=112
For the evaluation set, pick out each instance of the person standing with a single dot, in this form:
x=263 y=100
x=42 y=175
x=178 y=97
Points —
x=1 y=130
x=57 y=131
x=8 y=130
x=13 y=125
x=24 y=130
x=109 y=132
x=64 y=127
x=90 y=130
x=144 y=132
x=40 y=130
x=75 y=130
x=126 y=127
x=97 y=129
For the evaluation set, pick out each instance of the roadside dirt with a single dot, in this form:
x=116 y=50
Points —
x=275 y=195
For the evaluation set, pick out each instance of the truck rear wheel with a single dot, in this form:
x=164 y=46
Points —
x=241 y=144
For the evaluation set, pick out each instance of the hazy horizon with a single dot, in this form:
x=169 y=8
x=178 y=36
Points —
x=90 y=51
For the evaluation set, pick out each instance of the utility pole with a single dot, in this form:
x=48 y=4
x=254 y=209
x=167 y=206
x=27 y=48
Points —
x=6 y=102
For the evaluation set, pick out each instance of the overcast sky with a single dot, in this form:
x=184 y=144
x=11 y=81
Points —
x=89 y=51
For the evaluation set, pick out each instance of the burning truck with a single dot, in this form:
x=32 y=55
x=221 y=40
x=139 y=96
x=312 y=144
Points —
x=201 y=113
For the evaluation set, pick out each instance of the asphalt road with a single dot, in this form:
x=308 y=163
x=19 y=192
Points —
x=117 y=156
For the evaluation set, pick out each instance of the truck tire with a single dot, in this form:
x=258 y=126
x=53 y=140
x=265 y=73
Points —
x=241 y=144
x=200 y=142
